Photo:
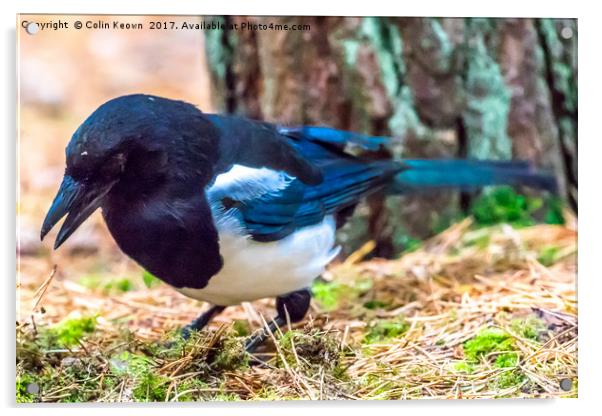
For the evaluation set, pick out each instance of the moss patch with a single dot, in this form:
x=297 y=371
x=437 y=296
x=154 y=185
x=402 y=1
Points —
x=312 y=351
x=503 y=204
x=463 y=367
x=548 y=255
x=331 y=295
x=96 y=282
x=530 y=327
x=150 y=280
x=70 y=331
x=507 y=359
x=508 y=379
x=383 y=330
x=488 y=341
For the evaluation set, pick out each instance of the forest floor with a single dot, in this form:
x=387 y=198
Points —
x=474 y=312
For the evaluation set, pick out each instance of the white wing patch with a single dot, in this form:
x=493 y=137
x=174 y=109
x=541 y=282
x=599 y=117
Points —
x=243 y=183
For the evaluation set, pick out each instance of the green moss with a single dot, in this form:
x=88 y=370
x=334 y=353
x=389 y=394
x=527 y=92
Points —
x=43 y=360
x=486 y=342
x=83 y=375
x=548 y=255
x=69 y=332
x=150 y=387
x=330 y=295
x=375 y=304
x=504 y=205
x=77 y=380
x=118 y=285
x=509 y=379
x=529 y=328
x=191 y=389
x=225 y=354
x=484 y=346
x=317 y=351
x=95 y=282
x=269 y=393
x=241 y=327
x=383 y=385
x=333 y=294
x=123 y=284
x=507 y=359
x=226 y=397
x=127 y=363
x=383 y=330
x=148 y=384
x=463 y=367
x=554 y=213
x=133 y=373
x=91 y=282
x=150 y=280
x=231 y=355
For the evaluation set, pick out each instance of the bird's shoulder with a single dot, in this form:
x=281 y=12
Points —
x=242 y=183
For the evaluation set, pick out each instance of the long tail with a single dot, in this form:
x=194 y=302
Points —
x=425 y=175
x=422 y=175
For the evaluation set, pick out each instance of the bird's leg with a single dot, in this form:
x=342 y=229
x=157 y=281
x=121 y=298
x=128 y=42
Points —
x=202 y=320
x=260 y=336
x=293 y=305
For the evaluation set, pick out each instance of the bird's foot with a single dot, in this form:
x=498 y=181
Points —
x=186 y=332
x=263 y=334
x=198 y=324
x=291 y=308
x=182 y=334
x=254 y=341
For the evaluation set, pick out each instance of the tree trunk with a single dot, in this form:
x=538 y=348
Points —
x=440 y=87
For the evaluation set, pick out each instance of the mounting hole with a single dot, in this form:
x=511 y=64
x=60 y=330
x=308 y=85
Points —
x=566 y=32
x=566 y=384
x=32 y=28
x=33 y=388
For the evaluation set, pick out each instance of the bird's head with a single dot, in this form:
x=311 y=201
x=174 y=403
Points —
x=125 y=144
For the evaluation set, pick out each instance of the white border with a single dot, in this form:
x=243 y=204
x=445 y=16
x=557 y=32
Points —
x=590 y=155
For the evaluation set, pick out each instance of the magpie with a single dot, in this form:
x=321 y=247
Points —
x=227 y=209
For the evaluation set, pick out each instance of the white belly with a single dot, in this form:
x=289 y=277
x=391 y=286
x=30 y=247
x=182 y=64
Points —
x=254 y=270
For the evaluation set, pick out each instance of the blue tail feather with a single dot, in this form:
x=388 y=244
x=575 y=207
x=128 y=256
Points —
x=425 y=175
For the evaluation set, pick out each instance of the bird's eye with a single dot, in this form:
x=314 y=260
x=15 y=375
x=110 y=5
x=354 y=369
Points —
x=112 y=167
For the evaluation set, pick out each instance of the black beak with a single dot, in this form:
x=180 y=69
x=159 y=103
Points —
x=76 y=200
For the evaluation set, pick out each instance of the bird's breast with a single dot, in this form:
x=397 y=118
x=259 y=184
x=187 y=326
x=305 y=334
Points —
x=254 y=270
x=174 y=239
